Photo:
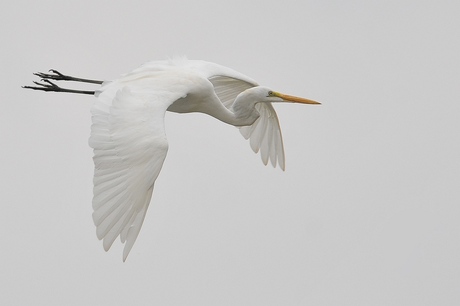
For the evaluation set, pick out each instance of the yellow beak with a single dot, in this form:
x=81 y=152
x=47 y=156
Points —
x=295 y=99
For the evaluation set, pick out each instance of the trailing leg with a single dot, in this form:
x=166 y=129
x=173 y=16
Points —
x=47 y=85
x=56 y=75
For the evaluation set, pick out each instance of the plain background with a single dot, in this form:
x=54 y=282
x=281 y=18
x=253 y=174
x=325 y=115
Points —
x=366 y=213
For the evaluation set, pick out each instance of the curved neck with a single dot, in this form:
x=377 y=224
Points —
x=242 y=112
x=244 y=108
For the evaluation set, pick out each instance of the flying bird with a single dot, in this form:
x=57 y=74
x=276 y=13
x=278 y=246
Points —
x=128 y=133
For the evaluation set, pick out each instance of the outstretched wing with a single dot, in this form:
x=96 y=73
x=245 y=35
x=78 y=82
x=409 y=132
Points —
x=130 y=146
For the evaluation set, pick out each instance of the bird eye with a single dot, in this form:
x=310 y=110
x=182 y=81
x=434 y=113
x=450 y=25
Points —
x=270 y=93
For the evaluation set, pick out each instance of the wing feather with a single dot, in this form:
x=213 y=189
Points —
x=265 y=135
x=227 y=89
x=130 y=146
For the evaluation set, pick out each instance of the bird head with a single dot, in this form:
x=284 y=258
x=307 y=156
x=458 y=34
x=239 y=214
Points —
x=265 y=94
x=245 y=108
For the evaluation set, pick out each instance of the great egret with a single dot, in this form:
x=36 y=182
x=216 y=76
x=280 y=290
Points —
x=128 y=134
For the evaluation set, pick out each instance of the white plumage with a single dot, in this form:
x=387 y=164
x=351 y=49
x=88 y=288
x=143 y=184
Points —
x=128 y=134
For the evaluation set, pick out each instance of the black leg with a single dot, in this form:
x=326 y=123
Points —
x=50 y=86
x=56 y=75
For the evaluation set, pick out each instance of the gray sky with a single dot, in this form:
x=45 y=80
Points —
x=366 y=212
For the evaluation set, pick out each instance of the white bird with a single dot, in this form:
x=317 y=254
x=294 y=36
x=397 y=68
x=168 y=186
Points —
x=128 y=133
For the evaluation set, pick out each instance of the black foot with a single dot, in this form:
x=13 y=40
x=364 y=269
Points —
x=50 y=86
x=56 y=75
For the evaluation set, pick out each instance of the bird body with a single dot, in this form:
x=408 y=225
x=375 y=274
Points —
x=196 y=80
x=128 y=133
